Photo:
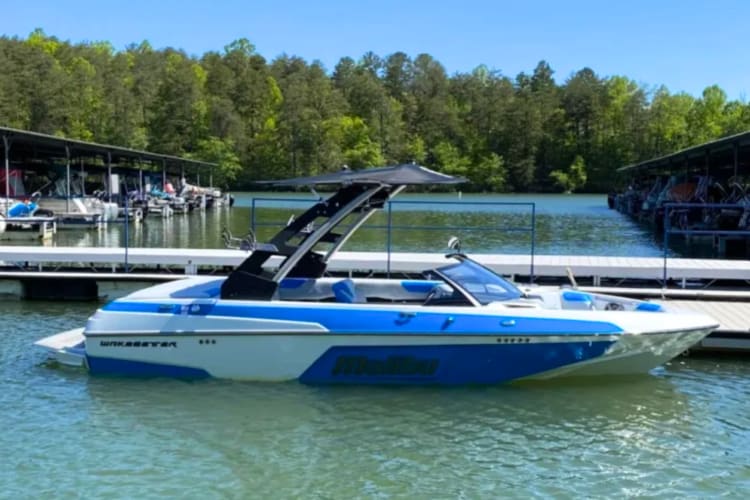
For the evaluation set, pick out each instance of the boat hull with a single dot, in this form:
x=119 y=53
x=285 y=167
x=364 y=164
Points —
x=631 y=355
x=182 y=330
x=383 y=359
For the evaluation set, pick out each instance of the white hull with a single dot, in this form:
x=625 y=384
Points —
x=63 y=347
x=81 y=208
x=28 y=228
x=631 y=355
x=283 y=357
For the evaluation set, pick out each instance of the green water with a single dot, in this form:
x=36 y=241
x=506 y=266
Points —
x=577 y=225
x=683 y=430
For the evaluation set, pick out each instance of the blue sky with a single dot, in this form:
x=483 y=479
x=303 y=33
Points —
x=686 y=45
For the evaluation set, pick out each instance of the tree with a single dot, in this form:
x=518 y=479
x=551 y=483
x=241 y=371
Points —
x=290 y=117
x=667 y=123
x=545 y=97
x=13 y=105
x=350 y=136
x=489 y=173
x=582 y=101
x=179 y=117
x=435 y=117
x=221 y=152
x=449 y=159
x=42 y=80
x=120 y=116
x=309 y=99
x=572 y=179
x=367 y=98
x=147 y=68
x=706 y=120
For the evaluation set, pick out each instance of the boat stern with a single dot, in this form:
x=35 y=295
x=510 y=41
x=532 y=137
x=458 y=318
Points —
x=67 y=348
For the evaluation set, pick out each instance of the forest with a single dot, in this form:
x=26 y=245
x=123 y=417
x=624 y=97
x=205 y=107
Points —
x=290 y=117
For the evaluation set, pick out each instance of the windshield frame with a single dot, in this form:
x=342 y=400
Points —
x=456 y=274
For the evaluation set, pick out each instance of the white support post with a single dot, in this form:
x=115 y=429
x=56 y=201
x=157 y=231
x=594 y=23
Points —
x=67 y=178
x=109 y=176
x=6 y=145
x=83 y=179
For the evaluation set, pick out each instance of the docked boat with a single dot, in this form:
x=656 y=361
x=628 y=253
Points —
x=19 y=221
x=279 y=316
x=69 y=203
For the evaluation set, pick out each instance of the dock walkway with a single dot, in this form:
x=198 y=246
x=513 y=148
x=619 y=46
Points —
x=189 y=261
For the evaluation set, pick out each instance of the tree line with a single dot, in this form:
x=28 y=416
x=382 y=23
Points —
x=289 y=117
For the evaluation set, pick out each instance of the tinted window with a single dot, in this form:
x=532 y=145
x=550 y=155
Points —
x=484 y=285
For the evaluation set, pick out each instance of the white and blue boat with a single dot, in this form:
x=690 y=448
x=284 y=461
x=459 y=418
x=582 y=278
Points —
x=280 y=317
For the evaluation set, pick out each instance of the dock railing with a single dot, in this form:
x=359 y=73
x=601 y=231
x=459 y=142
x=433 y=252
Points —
x=671 y=207
x=396 y=206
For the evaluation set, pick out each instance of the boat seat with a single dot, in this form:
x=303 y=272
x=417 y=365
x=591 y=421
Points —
x=443 y=294
x=346 y=292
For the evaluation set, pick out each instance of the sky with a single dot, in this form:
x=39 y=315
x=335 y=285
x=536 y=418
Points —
x=685 y=45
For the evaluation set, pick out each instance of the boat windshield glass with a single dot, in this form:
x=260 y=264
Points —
x=484 y=285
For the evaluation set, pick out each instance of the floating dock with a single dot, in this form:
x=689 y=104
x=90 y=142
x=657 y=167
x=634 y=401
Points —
x=593 y=270
x=28 y=228
x=58 y=273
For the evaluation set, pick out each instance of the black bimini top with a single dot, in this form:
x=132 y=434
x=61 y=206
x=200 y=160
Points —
x=407 y=174
x=360 y=193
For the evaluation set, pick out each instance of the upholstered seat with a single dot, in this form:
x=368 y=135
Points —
x=345 y=291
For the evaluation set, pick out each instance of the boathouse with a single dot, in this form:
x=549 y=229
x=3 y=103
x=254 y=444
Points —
x=699 y=195
x=24 y=151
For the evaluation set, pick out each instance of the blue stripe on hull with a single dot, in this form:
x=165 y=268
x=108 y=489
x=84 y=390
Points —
x=445 y=364
x=390 y=321
x=123 y=367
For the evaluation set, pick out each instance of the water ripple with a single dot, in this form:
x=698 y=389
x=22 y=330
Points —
x=680 y=432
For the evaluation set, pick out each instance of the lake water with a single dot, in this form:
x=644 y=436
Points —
x=577 y=225
x=683 y=430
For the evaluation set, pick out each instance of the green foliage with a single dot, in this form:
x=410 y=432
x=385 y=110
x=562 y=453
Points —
x=288 y=117
x=489 y=173
x=221 y=152
x=449 y=159
x=573 y=178
x=351 y=137
x=668 y=122
x=706 y=118
x=415 y=150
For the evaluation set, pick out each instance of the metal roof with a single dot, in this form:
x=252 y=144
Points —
x=741 y=139
x=406 y=174
x=49 y=145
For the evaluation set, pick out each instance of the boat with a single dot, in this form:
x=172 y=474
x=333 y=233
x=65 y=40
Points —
x=280 y=317
x=20 y=221
x=69 y=203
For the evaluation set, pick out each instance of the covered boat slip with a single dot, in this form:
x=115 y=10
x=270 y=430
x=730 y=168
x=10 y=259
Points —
x=725 y=158
x=700 y=194
x=25 y=153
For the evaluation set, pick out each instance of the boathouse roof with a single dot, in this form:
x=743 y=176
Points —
x=731 y=152
x=25 y=146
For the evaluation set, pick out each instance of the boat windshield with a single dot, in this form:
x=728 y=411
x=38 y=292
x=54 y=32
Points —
x=481 y=283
